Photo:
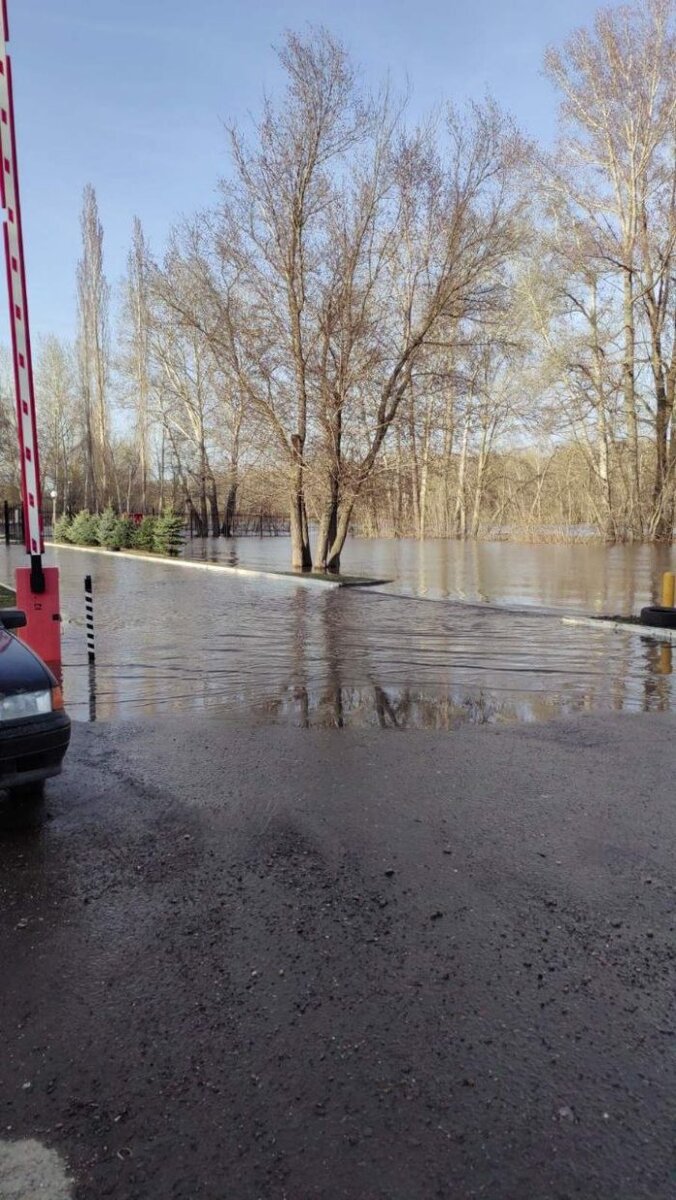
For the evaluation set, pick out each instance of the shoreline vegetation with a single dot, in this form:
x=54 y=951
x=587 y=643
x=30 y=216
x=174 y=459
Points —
x=167 y=533
x=162 y=535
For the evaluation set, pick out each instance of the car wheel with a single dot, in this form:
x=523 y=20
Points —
x=28 y=793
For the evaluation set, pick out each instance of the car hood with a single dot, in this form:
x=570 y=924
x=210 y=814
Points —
x=20 y=669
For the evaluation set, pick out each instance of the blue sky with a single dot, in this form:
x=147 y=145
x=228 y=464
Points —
x=131 y=96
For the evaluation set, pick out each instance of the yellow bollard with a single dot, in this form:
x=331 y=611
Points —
x=668 y=582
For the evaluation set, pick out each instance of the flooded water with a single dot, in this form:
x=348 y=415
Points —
x=585 y=577
x=460 y=633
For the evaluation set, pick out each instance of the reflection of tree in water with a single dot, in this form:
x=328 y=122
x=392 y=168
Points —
x=333 y=704
x=337 y=679
x=332 y=699
x=300 y=687
x=391 y=714
x=657 y=685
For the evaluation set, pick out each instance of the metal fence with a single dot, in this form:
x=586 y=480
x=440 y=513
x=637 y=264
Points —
x=260 y=524
x=12 y=523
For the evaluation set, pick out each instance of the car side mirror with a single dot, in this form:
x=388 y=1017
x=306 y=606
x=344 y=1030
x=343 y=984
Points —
x=12 y=618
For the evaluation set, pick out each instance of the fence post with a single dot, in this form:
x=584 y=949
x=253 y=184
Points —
x=89 y=615
x=6 y=523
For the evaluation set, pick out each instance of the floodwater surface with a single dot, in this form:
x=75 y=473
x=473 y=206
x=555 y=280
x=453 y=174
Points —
x=463 y=632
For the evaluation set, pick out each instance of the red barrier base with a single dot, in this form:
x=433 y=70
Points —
x=43 y=615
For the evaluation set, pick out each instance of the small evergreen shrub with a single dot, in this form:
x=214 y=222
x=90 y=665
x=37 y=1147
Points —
x=159 y=535
x=169 y=534
x=144 y=534
x=109 y=530
x=85 y=529
x=126 y=532
x=62 y=528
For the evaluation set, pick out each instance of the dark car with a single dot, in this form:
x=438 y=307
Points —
x=34 y=729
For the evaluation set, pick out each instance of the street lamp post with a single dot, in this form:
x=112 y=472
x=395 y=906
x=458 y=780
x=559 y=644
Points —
x=53 y=494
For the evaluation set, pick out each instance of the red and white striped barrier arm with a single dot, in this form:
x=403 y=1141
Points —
x=18 y=304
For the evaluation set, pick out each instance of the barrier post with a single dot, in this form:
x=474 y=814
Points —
x=89 y=618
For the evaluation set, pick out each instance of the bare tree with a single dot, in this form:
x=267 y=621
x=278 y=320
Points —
x=185 y=390
x=93 y=353
x=435 y=255
x=616 y=165
x=135 y=360
x=271 y=227
x=341 y=256
x=59 y=420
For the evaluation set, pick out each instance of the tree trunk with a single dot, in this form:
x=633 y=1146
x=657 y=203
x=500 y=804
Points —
x=328 y=530
x=629 y=394
x=103 y=449
x=460 y=501
x=162 y=454
x=479 y=487
x=91 y=498
x=301 y=555
x=670 y=505
x=424 y=472
x=193 y=515
x=449 y=429
x=342 y=529
x=118 y=490
x=662 y=517
x=609 y=530
x=204 y=516
x=230 y=510
x=399 y=511
x=233 y=485
x=213 y=504
x=144 y=476
x=415 y=470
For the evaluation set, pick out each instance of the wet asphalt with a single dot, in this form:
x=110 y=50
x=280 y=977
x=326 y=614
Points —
x=262 y=962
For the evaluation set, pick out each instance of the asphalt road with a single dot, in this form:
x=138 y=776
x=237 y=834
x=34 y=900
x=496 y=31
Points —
x=243 y=963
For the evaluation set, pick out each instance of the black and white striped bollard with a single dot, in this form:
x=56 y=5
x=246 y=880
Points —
x=89 y=614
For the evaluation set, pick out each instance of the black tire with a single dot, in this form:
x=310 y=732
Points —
x=663 y=618
x=28 y=793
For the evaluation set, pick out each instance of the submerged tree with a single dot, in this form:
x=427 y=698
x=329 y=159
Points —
x=342 y=253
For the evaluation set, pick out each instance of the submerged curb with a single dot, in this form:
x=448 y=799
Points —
x=656 y=632
x=256 y=572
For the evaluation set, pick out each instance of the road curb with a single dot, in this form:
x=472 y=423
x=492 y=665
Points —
x=656 y=632
x=254 y=572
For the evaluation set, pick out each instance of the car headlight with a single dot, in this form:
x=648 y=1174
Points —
x=25 y=704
